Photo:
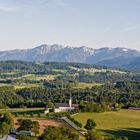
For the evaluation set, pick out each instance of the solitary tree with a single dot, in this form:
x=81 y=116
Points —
x=90 y=124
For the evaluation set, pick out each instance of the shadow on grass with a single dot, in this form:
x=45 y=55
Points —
x=131 y=133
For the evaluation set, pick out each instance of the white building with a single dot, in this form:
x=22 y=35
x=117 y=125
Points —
x=63 y=107
x=28 y=133
x=47 y=110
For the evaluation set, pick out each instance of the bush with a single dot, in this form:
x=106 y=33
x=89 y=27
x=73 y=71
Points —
x=91 y=124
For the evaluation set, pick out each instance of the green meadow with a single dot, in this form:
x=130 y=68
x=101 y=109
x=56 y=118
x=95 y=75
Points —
x=122 y=123
x=82 y=85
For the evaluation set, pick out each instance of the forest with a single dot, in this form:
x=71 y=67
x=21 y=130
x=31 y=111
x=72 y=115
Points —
x=26 y=84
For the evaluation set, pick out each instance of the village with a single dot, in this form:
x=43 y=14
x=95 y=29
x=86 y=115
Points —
x=57 y=108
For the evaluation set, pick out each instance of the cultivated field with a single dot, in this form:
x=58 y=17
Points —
x=122 y=123
x=44 y=122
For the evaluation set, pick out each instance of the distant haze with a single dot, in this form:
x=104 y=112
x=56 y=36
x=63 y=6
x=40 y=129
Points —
x=91 y=23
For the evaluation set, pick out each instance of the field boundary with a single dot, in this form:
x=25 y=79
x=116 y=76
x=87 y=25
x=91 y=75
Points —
x=75 y=127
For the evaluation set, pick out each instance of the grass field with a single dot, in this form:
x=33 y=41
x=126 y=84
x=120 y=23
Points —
x=122 y=123
x=39 y=77
x=59 y=70
x=84 y=85
x=26 y=85
x=23 y=85
x=94 y=70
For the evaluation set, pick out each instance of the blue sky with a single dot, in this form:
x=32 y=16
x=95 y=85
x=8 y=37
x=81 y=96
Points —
x=93 y=23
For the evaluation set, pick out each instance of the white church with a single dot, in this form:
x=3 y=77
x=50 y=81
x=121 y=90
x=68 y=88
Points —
x=63 y=107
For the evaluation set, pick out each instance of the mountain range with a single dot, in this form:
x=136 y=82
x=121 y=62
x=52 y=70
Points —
x=114 y=57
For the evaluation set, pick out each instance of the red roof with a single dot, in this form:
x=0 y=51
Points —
x=134 y=108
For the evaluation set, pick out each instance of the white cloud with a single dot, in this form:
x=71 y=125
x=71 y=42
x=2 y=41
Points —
x=4 y=8
x=127 y=29
x=122 y=29
x=62 y=3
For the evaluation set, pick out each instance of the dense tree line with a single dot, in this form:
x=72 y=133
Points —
x=9 y=97
x=41 y=67
x=74 y=72
x=125 y=93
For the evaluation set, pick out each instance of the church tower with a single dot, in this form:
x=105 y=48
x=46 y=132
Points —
x=70 y=102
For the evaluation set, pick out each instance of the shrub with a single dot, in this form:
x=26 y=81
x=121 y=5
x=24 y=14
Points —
x=91 y=124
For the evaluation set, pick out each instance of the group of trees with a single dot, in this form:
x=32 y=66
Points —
x=123 y=93
x=93 y=107
x=6 y=123
x=50 y=133
x=91 y=124
x=55 y=133
x=28 y=125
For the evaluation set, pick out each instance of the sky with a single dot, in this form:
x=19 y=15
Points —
x=91 y=23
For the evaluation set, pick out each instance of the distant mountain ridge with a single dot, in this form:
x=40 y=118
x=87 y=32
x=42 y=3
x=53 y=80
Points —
x=114 y=57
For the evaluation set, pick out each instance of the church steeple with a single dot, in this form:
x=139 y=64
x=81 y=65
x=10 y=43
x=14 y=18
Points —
x=70 y=101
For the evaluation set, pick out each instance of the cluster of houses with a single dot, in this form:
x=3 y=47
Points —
x=58 y=107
